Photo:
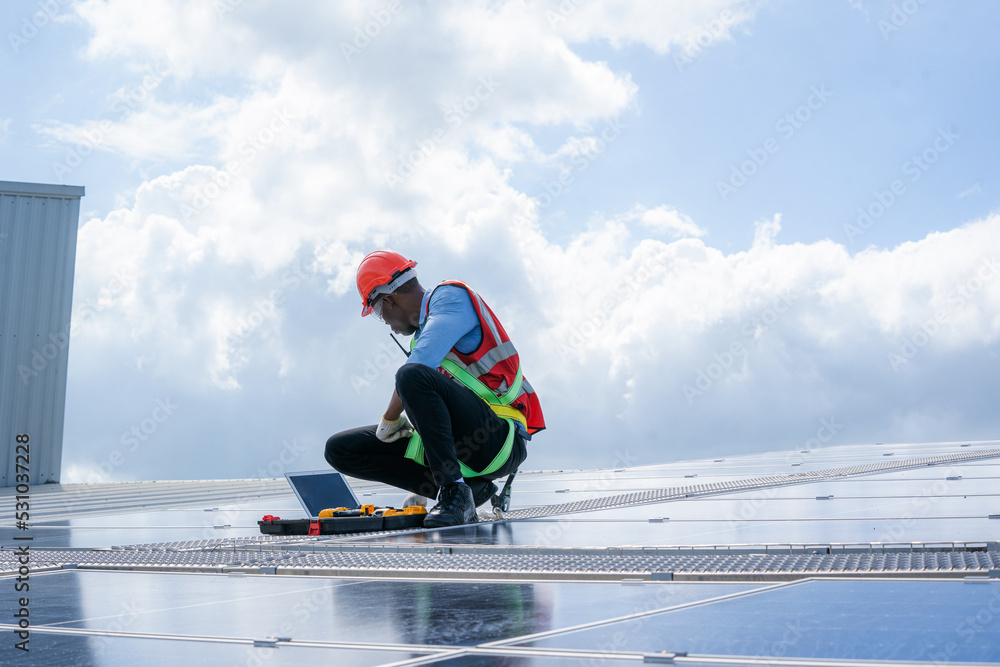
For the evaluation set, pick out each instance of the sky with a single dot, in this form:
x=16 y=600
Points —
x=710 y=227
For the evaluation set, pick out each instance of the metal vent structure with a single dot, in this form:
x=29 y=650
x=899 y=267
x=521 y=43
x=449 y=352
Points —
x=38 y=230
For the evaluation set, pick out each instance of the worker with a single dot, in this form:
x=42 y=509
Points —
x=468 y=407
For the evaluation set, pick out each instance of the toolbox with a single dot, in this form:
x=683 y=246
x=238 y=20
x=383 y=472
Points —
x=341 y=520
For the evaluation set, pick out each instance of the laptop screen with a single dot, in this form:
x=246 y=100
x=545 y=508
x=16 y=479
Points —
x=321 y=489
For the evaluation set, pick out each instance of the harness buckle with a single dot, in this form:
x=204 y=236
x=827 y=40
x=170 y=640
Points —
x=501 y=500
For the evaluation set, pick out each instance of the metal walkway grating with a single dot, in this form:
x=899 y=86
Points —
x=697 y=490
x=626 y=499
x=347 y=555
x=549 y=563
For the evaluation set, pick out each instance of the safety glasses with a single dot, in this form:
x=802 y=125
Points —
x=377 y=308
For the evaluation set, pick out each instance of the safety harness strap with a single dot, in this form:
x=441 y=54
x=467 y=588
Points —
x=415 y=452
x=477 y=385
x=499 y=404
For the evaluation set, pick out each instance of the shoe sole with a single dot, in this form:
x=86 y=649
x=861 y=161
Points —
x=479 y=503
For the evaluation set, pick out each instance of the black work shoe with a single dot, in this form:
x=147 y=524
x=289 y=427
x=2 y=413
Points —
x=482 y=490
x=454 y=507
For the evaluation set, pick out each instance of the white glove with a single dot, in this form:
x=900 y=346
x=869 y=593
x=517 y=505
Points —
x=388 y=431
x=415 y=499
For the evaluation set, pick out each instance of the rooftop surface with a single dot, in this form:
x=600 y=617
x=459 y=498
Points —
x=844 y=555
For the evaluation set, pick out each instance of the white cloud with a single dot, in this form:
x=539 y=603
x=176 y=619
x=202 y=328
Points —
x=664 y=219
x=510 y=144
x=237 y=298
x=974 y=190
x=650 y=23
x=759 y=344
x=612 y=323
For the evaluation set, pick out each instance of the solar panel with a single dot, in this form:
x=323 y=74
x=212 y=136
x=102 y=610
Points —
x=741 y=564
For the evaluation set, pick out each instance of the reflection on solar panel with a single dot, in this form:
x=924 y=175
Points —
x=837 y=556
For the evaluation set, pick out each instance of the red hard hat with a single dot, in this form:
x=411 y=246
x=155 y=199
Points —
x=381 y=272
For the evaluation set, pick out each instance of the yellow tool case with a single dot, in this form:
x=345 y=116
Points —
x=342 y=520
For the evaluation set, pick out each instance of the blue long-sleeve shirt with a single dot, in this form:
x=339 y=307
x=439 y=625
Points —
x=451 y=322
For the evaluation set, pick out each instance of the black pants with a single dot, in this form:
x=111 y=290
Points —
x=454 y=423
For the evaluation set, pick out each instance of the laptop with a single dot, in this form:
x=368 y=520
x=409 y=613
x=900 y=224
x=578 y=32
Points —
x=318 y=490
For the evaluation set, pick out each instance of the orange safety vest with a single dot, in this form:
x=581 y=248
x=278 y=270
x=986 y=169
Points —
x=495 y=362
x=493 y=372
